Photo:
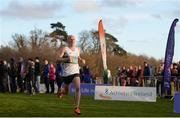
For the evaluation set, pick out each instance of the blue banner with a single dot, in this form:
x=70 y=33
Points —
x=169 y=55
x=86 y=89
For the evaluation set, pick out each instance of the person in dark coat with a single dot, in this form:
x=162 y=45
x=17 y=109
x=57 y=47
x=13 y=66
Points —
x=30 y=77
x=146 y=74
x=21 y=72
x=37 y=75
x=3 y=76
x=46 y=74
x=12 y=71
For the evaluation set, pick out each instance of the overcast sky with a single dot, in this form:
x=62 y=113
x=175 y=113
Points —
x=141 y=26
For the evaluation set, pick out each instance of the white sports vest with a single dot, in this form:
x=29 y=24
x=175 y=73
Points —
x=71 y=68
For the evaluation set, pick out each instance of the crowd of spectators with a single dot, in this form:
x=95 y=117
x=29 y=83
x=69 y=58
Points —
x=26 y=76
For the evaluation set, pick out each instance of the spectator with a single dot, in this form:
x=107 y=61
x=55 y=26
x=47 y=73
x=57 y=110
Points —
x=37 y=74
x=139 y=76
x=52 y=76
x=81 y=75
x=146 y=74
x=118 y=74
x=30 y=77
x=130 y=76
x=46 y=75
x=123 y=76
x=134 y=79
x=87 y=74
x=178 y=78
x=12 y=71
x=174 y=74
x=3 y=76
x=109 y=77
x=152 y=73
x=21 y=75
x=59 y=72
x=159 y=83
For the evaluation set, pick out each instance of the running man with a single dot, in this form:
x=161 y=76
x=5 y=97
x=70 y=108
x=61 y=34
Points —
x=70 y=56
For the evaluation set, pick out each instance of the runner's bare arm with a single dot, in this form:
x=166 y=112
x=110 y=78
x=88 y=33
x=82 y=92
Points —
x=62 y=59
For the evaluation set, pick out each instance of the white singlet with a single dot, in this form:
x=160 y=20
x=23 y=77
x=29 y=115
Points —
x=73 y=67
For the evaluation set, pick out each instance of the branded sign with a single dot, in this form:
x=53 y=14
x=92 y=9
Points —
x=177 y=102
x=86 y=89
x=125 y=93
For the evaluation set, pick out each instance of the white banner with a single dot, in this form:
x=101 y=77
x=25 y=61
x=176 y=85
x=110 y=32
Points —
x=147 y=94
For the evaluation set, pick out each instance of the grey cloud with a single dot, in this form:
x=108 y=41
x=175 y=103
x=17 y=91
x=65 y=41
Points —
x=112 y=25
x=115 y=25
x=116 y=22
x=31 y=11
x=167 y=14
x=176 y=12
x=122 y=2
x=86 y=6
x=157 y=16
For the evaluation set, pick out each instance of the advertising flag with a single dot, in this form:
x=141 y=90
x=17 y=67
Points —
x=169 y=55
x=102 y=43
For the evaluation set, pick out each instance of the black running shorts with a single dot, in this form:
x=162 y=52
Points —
x=69 y=79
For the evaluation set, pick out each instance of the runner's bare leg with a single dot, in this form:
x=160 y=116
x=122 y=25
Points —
x=76 y=81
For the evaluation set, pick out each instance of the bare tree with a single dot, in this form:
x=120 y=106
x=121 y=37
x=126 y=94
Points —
x=20 y=41
x=95 y=41
x=84 y=37
x=7 y=52
x=37 y=39
x=89 y=42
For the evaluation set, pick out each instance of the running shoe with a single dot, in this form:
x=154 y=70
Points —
x=61 y=94
x=77 y=110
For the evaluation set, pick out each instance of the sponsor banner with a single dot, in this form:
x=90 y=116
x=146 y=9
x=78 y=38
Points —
x=147 y=94
x=86 y=89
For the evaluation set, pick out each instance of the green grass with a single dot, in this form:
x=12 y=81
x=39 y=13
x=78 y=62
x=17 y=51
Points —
x=49 y=105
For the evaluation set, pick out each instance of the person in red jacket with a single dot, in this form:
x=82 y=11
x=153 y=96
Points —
x=52 y=77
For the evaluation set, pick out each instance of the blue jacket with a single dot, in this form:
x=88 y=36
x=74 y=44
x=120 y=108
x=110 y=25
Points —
x=59 y=69
x=46 y=70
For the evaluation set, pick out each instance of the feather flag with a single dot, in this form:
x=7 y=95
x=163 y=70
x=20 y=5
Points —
x=102 y=43
x=169 y=55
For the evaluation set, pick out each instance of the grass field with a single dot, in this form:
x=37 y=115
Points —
x=49 y=105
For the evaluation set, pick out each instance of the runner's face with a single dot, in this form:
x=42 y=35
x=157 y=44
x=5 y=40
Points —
x=72 y=41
